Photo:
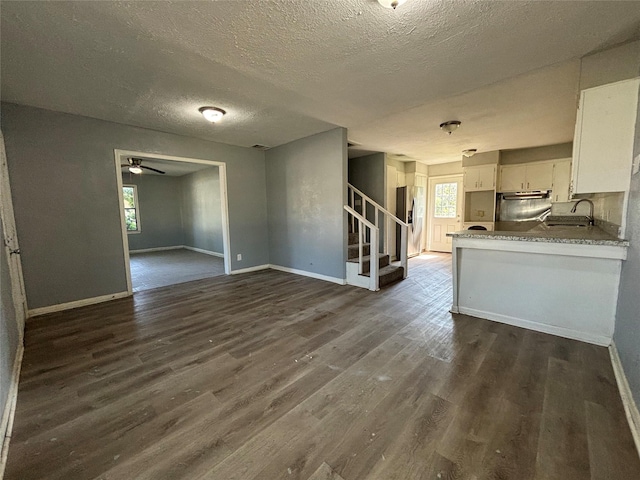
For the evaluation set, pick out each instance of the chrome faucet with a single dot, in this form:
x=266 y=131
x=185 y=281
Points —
x=575 y=206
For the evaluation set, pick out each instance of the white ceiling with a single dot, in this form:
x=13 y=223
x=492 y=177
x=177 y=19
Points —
x=285 y=70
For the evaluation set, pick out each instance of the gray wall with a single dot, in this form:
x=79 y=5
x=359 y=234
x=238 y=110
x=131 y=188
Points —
x=613 y=65
x=201 y=210
x=65 y=199
x=306 y=190
x=451 y=168
x=482 y=158
x=368 y=174
x=535 y=154
x=8 y=330
x=159 y=209
x=627 y=332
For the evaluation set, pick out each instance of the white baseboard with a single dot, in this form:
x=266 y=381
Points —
x=630 y=407
x=206 y=252
x=78 y=303
x=326 y=278
x=596 y=339
x=251 y=269
x=9 y=410
x=157 y=249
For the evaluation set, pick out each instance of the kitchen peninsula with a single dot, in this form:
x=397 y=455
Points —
x=558 y=280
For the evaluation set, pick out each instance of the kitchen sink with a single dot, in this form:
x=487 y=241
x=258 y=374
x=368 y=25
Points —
x=568 y=221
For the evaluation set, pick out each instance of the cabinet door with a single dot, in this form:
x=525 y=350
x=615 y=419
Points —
x=470 y=181
x=513 y=178
x=561 y=181
x=487 y=177
x=480 y=178
x=603 y=146
x=539 y=176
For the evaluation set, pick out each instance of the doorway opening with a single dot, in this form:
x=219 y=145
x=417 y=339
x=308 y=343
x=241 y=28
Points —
x=174 y=216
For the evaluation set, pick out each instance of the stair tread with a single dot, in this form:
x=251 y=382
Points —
x=367 y=258
x=388 y=270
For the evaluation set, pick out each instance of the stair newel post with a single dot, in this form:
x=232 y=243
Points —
x=374 y=265
x=403 y=249
x=360 y=247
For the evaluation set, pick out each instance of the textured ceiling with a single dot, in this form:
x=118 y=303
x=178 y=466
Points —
x=286 y=70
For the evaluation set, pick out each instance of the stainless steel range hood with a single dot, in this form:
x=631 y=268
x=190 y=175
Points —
x=526 y=195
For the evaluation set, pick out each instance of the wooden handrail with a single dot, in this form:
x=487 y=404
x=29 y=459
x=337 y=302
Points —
x=375 y=242
x=359 y=216
x=378 y=206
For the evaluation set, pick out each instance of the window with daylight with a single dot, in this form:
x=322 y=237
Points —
x=131 y=212
x=446 y=199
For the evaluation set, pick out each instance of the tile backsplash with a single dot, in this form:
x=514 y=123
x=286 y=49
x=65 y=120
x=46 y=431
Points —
x=607 y=209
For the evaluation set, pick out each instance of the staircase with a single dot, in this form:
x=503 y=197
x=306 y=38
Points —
x=387 y=273
x=364 y=238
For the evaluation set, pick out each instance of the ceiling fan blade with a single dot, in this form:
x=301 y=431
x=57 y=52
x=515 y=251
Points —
x=125 y=165
x=154 y=169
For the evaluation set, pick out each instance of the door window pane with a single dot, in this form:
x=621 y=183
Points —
x=446 y=198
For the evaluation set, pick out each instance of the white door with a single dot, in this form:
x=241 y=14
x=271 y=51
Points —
x=10 y=241
x=445 y=211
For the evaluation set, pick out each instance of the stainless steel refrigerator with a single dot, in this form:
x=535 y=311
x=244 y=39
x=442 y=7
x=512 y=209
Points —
x=410 y=208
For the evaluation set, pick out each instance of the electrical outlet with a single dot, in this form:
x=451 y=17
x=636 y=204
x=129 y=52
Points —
x=239 y=257
x=481 y=213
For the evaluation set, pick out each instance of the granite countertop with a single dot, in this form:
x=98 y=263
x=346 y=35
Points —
x=544 y=233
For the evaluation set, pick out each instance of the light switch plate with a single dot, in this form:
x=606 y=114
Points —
x=636 y=165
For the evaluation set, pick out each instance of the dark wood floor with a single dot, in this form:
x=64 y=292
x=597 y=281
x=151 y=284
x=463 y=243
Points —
x=275 y=376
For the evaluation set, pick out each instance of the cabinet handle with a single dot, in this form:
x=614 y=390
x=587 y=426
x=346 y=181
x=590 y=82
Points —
x=527 y=185
x=522 y=186
x=480 y=182
x=476 y=184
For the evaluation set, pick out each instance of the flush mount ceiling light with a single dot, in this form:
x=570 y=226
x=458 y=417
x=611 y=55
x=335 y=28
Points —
x=212 y=114
x=469 y=152
x=391 y=3
x=450 y=126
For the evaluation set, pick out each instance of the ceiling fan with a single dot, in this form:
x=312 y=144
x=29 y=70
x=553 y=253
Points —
x=135 y=166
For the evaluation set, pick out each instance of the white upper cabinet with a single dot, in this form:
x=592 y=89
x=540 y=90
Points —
x=561 y=180
x=531 y=176
x=482 y=177
x=512 y=178
x=539 y=176
x=603 y=143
